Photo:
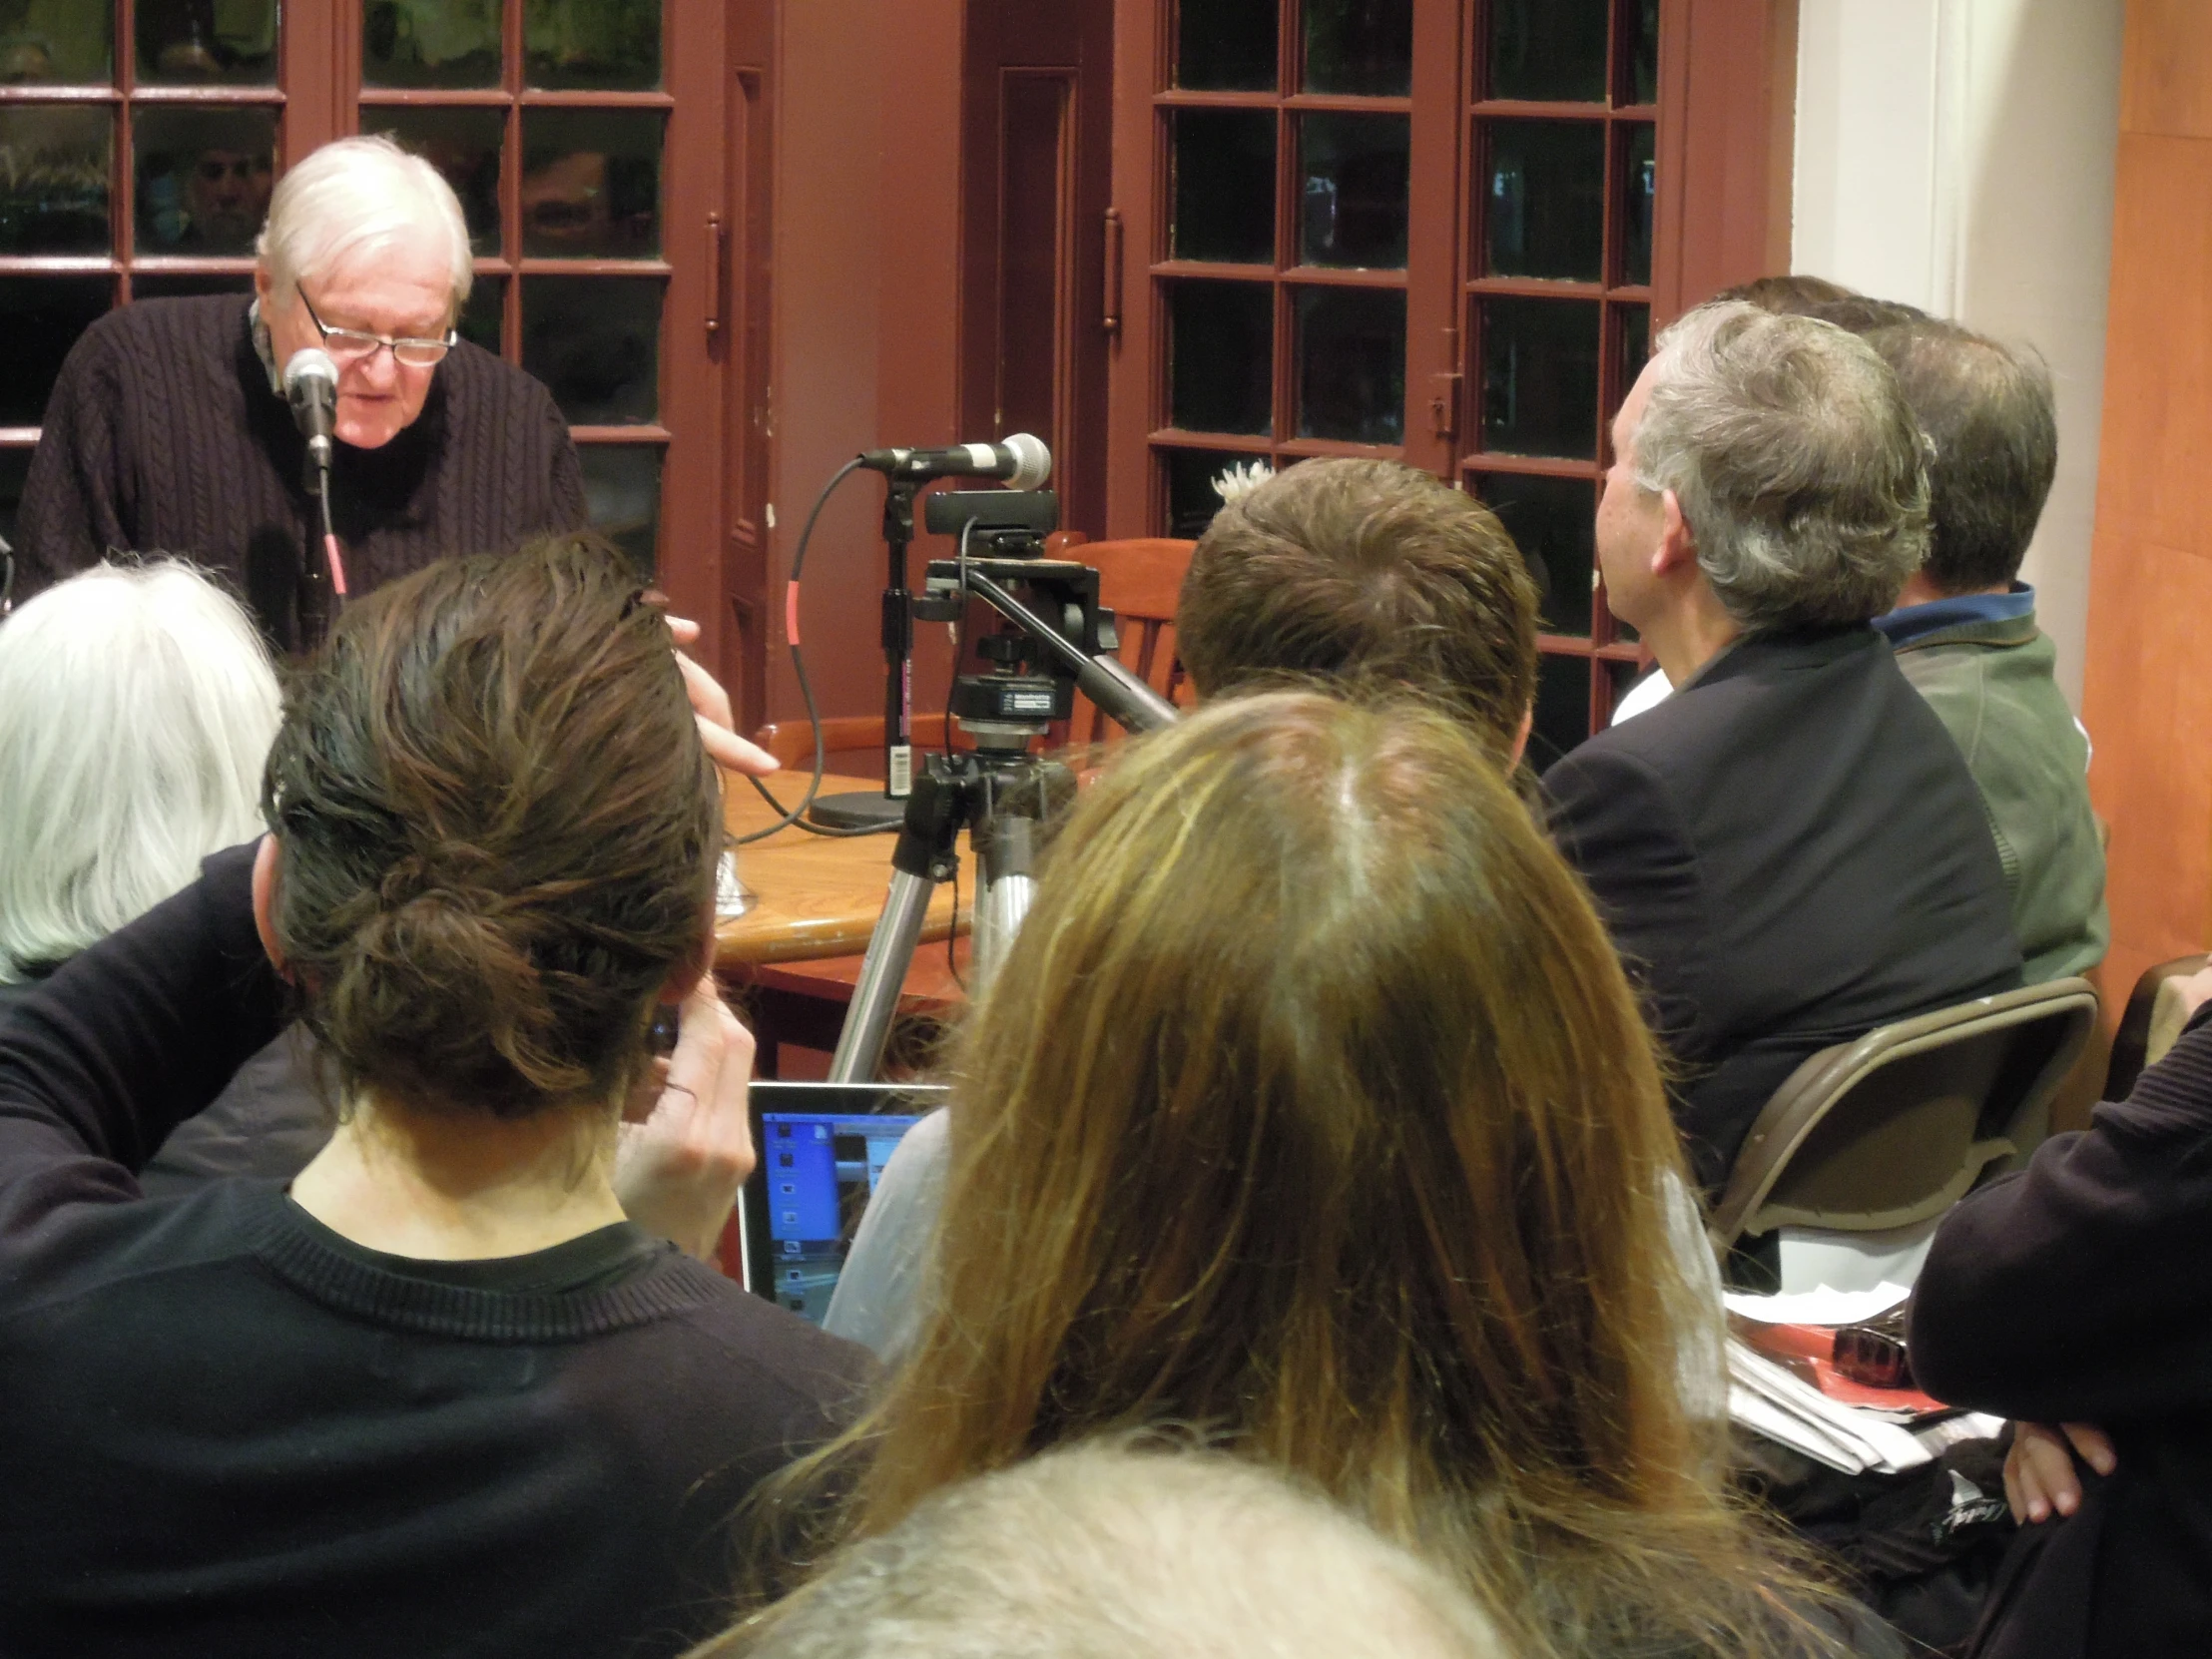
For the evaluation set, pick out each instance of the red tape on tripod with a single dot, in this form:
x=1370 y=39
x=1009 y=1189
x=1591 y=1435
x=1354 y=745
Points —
x=790 y=612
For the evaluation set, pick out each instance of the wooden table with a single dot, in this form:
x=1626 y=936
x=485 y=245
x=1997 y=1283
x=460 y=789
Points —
x=819 y=896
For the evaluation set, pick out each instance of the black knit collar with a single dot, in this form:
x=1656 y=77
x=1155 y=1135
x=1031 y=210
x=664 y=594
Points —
x=290 y=1244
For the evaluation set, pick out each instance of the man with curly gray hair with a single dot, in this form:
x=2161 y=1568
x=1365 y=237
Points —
x=1790 y=851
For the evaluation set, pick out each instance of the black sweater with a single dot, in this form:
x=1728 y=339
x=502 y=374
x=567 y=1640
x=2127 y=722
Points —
x=2081 y=1291
x=228 y=1430
x=162 y=435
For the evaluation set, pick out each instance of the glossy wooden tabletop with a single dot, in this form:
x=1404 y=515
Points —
x=818 y=895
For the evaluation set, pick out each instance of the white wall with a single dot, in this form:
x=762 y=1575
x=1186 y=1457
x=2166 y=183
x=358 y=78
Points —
x=1958 y=155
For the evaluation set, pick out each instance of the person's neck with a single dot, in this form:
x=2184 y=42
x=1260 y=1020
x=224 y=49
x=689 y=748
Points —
x=1919 y=590
x=444 y=1188
x=1692 y=630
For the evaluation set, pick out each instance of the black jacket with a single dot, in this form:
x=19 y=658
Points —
x=2081 y=1291
x=1788 y=852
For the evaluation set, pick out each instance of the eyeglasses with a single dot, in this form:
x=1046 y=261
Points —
x=352 y=345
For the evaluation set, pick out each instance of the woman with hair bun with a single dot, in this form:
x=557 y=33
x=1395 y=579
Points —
x=1311 y=1110
x=455 y=1389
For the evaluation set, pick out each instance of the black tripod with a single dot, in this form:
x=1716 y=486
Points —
x=1002 y=795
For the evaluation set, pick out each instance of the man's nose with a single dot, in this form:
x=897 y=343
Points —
x=377 y=373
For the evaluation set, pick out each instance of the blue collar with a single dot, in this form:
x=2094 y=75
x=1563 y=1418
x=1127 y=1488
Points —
x=1913 y=621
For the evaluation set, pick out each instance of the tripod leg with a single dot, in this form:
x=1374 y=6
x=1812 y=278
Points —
x=890 y=951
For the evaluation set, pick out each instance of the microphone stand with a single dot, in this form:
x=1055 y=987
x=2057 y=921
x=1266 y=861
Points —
x=866 y=808
x=323 y=585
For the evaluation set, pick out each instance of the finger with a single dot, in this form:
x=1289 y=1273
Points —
x=2049 y=1476
x=694 y=1068
x=685 y=630
x=735 y=754
x=708 y=699
x=2094 y=1445
x=732 y=1097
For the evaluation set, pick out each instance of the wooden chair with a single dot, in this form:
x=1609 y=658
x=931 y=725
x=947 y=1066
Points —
x=1893 y=1129
x=2149 y=1024
x=803 y=1002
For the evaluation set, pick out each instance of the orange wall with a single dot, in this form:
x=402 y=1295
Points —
x=2148 y=696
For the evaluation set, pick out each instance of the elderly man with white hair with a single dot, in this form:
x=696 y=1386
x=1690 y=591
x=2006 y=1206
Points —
x=1790 y=851
x=168 y=427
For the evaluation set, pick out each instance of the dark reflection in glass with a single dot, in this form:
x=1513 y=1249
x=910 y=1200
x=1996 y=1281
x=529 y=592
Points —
x=1351 y=364
x=622 y=491
x=1639 y=187
x=595 y=341
x=1364 y=46
x=54 y=178
x=1546 y=210
x=1635 y=341
x=464 y=146
x=431 y=43
x=204 y=176
x=1354 y=193
x=1562 y=708
x=206 y=42
x=1191 y=499
x=40 y=320
x=1224 y=185
x=591 y=184
x=605 y=45
x=69 y=43
x=1553 y=522
x=1643 y=51
x=1548 y=49
x=482 y=312
x=1226 y=45
x=1221 y=357
x=15 y=469
x=1539 y=376
x=182 y=284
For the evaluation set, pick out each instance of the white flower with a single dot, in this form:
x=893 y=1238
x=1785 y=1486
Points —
x=1240 y=479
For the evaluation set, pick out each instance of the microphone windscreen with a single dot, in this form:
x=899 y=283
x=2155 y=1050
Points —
x=310 y=363
x=1033 y=461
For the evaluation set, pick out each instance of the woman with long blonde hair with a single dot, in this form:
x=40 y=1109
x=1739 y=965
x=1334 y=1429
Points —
x=1311 y=1110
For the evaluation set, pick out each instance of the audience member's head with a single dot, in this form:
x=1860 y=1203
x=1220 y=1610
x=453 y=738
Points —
x=1769 y=459
x=1788 y=296
x=1993 y=427
x=136 y=711
x=1099 y=1552
x=366 y=242
x=497 y=834
x=1310 y=1107
x=1368 y=571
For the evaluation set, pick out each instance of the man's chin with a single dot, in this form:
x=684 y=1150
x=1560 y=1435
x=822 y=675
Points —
x=368 y=434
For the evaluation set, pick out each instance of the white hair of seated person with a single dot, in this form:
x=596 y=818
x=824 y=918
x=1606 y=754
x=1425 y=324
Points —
x=357 y=195
x=1106 y=1551
x=137 y=708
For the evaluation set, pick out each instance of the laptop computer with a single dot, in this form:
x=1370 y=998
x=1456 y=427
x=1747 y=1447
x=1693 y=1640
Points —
x=822 y=1147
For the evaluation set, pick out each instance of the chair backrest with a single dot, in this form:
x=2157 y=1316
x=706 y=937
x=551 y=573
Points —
x=2151 y=1022
x=1893 y=1128
x=1140 y=581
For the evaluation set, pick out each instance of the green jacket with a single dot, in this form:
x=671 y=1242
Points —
x=1991 y=684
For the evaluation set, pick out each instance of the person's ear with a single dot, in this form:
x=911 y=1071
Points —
x=264 y=902
x=1676 y=549
x=264 y=284
x=1520 y=741
x=692 y=967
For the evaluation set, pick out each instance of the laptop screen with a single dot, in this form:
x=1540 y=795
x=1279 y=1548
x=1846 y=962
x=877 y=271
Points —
x=823 y=1148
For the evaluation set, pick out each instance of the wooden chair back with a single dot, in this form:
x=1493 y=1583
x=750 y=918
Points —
x=1140 y=580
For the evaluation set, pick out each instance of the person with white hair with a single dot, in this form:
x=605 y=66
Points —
x=1790 y=851
x=168 y=427
x=137 y=708
x=1115 y=1550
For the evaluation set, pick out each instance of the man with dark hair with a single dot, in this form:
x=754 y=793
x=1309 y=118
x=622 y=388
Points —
x=1965 y=628
x=1789 y=850
x=1368 y=571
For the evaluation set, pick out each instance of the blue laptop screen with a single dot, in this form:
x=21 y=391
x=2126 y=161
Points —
x=821 y=1168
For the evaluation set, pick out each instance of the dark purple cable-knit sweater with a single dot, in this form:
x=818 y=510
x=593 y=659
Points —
x=2081 y=1291
x=162 y=435
x=227 y=1429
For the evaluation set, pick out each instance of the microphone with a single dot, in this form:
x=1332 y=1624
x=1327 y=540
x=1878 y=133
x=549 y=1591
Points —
x=1024 y=461
x=312 y=389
